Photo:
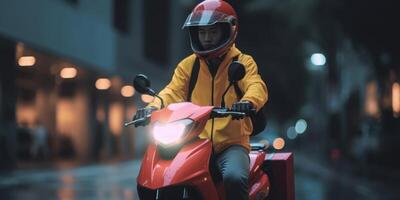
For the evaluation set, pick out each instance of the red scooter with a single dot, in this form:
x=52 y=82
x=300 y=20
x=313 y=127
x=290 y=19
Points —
x=178 y=164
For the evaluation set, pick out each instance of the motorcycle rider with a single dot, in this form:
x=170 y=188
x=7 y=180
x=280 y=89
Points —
x=213 y=27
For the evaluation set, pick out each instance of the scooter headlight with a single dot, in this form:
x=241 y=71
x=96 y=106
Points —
x=171 y=132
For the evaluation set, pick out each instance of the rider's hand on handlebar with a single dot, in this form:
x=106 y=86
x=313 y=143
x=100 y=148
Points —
x=143 y=113
x=242 y=106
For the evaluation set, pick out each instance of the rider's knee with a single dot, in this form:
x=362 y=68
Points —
x=233 y=179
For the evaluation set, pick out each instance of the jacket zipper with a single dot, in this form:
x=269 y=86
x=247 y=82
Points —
x=212 y=91
x=212 y=103
x=212 y=121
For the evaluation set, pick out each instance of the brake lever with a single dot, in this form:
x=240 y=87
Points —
x=224 y=112
x=237 y=114
x=136 y=121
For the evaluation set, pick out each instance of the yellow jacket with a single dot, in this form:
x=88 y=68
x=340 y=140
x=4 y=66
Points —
x=226 y=131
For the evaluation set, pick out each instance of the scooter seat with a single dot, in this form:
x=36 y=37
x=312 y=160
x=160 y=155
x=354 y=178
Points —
x=257 y=146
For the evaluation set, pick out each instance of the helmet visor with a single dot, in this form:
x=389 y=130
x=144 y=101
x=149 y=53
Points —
x=206 y=17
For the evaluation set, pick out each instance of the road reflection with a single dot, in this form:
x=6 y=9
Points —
x=118 y=181
x=66 y=190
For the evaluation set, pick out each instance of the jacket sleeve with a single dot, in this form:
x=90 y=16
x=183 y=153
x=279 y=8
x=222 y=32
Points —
x=176 y=90
x=253 y=86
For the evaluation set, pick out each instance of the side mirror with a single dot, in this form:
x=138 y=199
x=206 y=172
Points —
x=142 y=84
x=236 y=72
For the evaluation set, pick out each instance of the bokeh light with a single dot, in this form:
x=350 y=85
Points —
x=396 y=98
x=279 y=143
x=26 y=61
x=291 y=133
x=127 y=91
x=318 y=59
x=147 y=98
x=301 y=126
x=103 y=84
x=68 y=73
x=265 y=142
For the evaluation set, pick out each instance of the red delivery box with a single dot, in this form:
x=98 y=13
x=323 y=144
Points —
x=279 y=167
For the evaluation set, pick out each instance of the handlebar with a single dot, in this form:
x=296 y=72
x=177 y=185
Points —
x=215 y=113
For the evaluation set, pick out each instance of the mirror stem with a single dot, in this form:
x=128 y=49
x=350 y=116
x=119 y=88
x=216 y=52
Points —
x=223 y=96
x=162 y=101
x=153 y=93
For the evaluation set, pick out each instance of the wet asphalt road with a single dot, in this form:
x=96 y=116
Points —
x=117 y=181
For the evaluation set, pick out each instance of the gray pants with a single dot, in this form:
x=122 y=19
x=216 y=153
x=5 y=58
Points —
x=234 y=164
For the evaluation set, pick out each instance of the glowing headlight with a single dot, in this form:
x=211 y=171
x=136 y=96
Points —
x=171 y=132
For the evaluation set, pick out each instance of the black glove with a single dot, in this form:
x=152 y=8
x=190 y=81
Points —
x=242 y=106
x=143 y=113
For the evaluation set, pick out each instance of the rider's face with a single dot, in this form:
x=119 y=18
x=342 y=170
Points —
x=209 y=36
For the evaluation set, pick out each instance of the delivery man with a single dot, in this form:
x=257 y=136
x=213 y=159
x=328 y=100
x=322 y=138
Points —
x=213 y=27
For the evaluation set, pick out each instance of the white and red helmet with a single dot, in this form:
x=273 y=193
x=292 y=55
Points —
x=208 y=13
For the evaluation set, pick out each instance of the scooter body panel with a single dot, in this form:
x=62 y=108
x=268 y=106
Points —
x=259 y=184
x=189 y=167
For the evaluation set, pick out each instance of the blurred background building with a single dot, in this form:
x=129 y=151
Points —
x=332 y=68
x=67 y=67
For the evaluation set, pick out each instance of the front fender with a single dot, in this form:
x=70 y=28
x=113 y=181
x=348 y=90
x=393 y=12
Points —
x=189 y=165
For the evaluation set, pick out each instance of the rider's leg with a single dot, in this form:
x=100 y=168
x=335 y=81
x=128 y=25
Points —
x=234 y=164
